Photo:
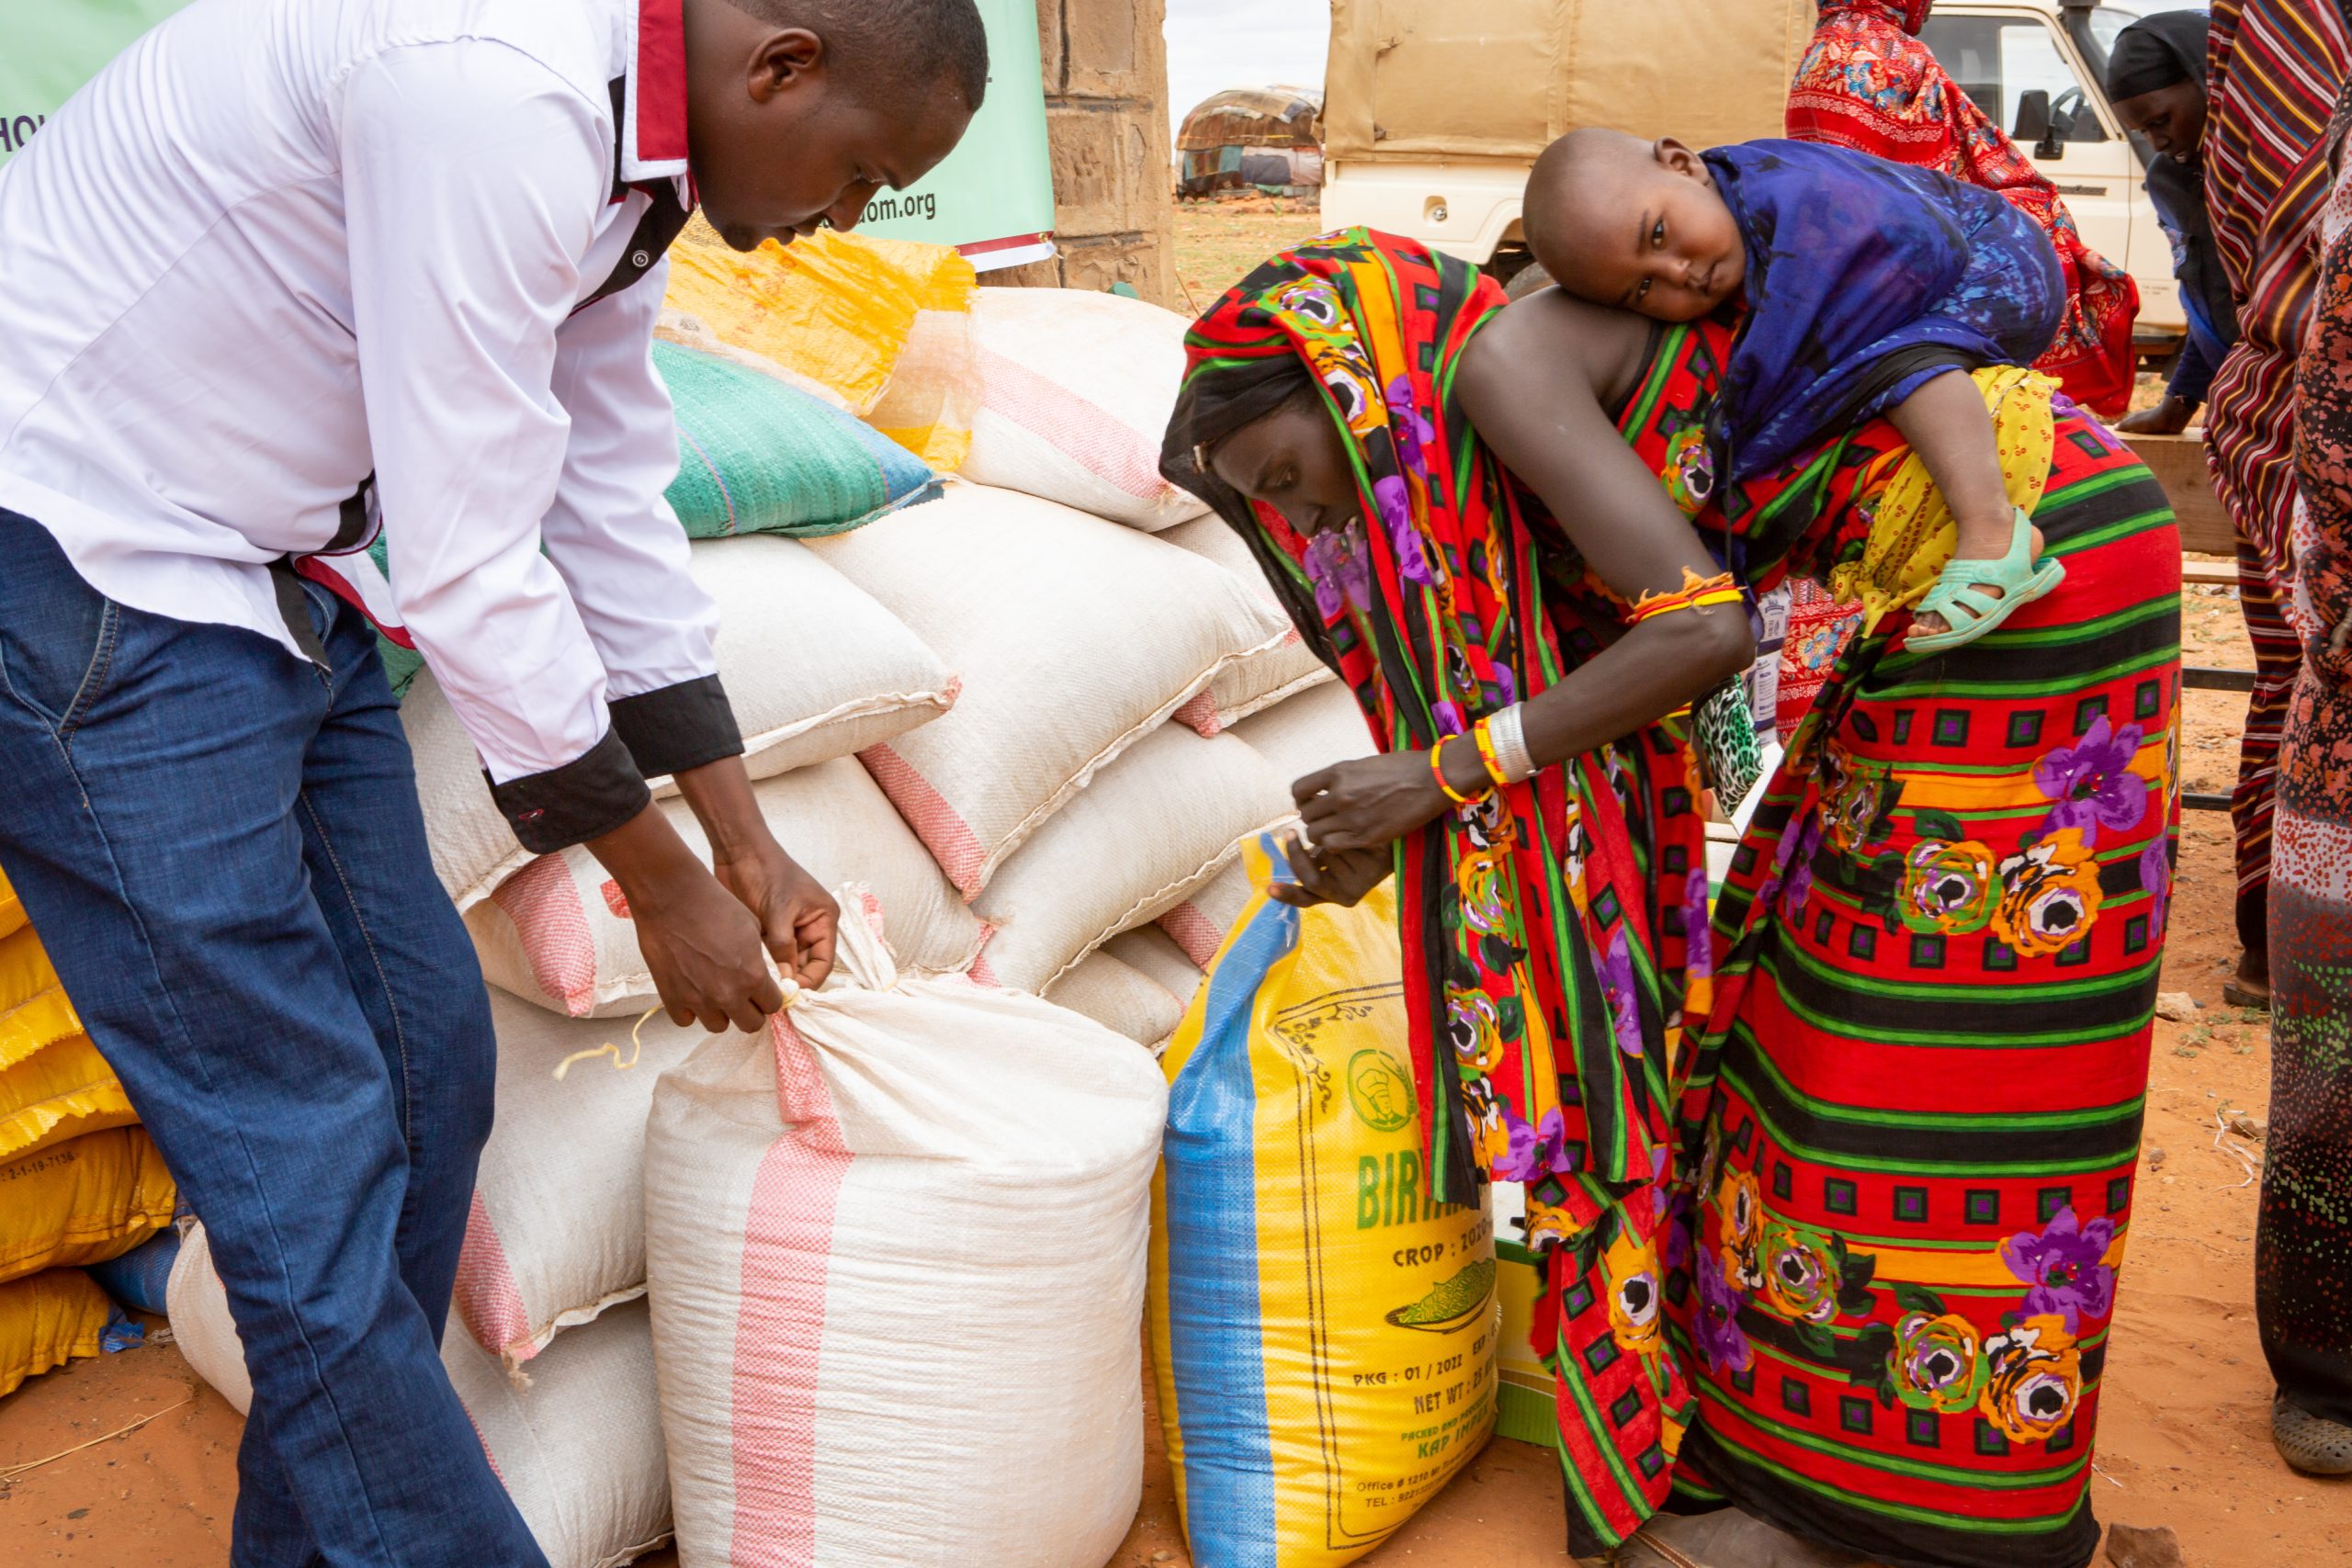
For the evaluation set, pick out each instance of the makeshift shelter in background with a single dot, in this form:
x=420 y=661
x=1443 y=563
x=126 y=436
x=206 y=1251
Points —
x=1252 y=139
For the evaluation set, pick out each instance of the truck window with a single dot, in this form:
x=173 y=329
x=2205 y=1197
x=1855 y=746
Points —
x=1997 y=62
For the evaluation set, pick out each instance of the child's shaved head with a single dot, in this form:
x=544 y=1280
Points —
x=1636 y=224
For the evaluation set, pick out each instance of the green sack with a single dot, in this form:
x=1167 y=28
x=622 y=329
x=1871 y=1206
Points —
x=756 y=455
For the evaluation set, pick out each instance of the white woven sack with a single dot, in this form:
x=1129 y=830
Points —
x=197 y=1303
x=1073 y=640
x=1310 y=732
x=1076 y=392
x=579 y=1450
x=1165 y=817
x=558 y=932
x=1118 y=998
x=1251 y=684
x=1153 y=953
x=1199 y=924
x=1304 y=735
x=897 y=1249
x=557 y=1234
x=813 y=667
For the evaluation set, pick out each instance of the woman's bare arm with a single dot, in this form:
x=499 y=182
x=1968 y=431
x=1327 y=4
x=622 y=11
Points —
x=1534 y=383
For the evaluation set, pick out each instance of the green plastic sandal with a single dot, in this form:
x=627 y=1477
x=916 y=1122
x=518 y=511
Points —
x=1968 y=611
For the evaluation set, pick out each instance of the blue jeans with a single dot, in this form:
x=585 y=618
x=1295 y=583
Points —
x=222 y=847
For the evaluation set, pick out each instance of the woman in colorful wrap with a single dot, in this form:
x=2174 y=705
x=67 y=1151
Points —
x=2300 y=1301
x=1871 y=1138
x=2273 y=69
x=1869 y=84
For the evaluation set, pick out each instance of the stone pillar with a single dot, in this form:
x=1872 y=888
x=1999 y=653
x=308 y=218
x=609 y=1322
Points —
x=1106 y=116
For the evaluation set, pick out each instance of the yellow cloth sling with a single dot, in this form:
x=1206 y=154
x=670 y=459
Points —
x=1912 y=531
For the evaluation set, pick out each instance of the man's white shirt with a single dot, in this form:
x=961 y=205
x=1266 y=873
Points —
x=281 y=245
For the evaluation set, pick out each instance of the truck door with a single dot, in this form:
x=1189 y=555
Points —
x=1999 y=57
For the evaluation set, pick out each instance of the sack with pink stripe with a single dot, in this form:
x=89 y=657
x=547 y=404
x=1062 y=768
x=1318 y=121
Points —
x=559 y=932
x=557 y=1234
x=896 y=1250
x=578 y=1449
x=813 y=667
x=1247 y=686
x=1073 y=638
x=1152 y=827
x=1301 y=736
x=1076 y=388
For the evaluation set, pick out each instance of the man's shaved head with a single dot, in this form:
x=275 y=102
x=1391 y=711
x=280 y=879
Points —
x=907 y=45
x=800 y=111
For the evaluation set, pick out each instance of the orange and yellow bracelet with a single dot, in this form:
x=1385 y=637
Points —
x=1696 y=593
x=1437 y=772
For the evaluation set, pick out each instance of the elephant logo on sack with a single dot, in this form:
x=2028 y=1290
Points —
x=1380 y=1092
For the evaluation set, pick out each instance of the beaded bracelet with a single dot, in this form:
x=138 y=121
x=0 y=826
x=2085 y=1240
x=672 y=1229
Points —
x=1483 y=732
x=1437 y=772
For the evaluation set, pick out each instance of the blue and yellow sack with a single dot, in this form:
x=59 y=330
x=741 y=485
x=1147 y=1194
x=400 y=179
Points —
x=1323 y=1332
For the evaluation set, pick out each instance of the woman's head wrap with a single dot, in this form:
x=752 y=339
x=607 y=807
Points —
x=2158 y=52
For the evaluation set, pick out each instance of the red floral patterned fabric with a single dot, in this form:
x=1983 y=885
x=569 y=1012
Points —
x=1869 y=84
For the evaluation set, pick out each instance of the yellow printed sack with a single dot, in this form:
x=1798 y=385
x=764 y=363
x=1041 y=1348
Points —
x=33 y=1008
x=46 y=1320
x=886 y=324
x=63 y=1091
x=81 y=1201
x=1323 y=1332
x=53 y=1083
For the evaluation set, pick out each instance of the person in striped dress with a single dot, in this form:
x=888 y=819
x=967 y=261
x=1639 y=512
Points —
x=2302 y=1299
x=2273 y=72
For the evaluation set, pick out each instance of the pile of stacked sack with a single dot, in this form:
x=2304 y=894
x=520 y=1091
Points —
x=86 y=1203
x=1024 y=703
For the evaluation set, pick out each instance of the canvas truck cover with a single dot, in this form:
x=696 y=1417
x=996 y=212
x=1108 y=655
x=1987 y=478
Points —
x=1424 y=79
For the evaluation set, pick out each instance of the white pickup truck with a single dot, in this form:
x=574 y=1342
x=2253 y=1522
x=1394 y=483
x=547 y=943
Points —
x=1434 y=109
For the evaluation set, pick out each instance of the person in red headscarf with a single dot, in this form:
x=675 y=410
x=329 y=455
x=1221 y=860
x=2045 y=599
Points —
x=1869 y=84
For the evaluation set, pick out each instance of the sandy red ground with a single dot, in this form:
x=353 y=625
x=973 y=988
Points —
x=2183 y=1441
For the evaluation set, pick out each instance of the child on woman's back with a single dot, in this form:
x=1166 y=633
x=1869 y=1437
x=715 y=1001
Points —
x=1866 y=284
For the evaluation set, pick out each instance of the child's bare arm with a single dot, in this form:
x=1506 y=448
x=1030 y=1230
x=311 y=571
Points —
x=1946 y=423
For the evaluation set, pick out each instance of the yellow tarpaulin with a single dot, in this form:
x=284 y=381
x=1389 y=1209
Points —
x=886 y=324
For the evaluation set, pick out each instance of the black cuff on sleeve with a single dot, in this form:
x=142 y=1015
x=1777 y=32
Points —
x=678 y=727
x=585 y=798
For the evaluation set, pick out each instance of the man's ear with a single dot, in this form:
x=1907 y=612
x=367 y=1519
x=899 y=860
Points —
x=789 y=57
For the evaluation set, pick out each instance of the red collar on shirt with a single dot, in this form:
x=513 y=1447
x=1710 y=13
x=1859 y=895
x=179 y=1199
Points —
x=653 y=130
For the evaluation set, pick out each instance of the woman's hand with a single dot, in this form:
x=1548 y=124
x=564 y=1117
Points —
x=1371 y=803
x=1330 y=876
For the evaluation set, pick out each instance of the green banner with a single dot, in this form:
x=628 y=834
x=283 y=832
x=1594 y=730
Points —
x=993 y=197
x=54 y=46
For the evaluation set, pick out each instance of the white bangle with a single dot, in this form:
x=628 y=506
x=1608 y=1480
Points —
x=1508 y=732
